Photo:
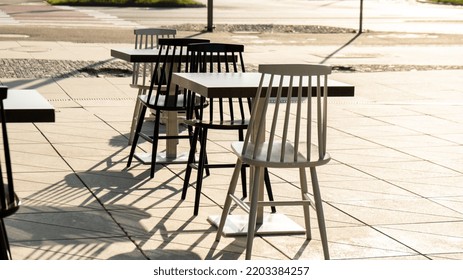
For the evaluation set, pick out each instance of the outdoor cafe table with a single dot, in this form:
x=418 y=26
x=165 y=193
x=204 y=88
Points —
x=21 y=106
x=245 y=85
x=136 y=55
x=27 y=106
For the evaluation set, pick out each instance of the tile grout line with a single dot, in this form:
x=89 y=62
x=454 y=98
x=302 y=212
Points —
x=93 y=194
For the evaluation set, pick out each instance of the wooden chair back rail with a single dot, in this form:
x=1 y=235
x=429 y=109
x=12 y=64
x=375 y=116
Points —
x=301 y=126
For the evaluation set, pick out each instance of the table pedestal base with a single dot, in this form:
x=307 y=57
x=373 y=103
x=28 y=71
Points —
x=145 y=158
x=273 y=224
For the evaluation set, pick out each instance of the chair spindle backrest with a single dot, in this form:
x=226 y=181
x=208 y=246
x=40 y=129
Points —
x=220 y=58
x=147 y=38
x=172 y=58
x=279 y=105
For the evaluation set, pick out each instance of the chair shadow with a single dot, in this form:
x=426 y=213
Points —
x=64 y=215
x=53 y=232
x=162 y=255
x=232 y=251
x=65 y=233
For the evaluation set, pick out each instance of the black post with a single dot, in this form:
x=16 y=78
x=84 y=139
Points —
x=210 y=5
x=361 y=17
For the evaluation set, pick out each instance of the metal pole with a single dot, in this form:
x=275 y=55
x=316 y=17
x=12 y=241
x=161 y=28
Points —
x=361 y=17
x=210 y=5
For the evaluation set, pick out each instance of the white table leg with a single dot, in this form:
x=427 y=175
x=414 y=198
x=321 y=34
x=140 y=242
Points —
x=170 y=155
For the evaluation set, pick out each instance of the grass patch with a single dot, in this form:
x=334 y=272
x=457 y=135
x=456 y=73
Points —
x=454 y=2
x=128 y=3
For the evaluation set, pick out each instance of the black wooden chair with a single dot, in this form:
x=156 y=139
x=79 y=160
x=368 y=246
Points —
x=162 y=96
x=9 y=202
x=145 y=38
x=220 y=114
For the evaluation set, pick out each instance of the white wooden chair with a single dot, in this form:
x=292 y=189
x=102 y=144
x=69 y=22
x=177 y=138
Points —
x=145 y=38
x=295 y=138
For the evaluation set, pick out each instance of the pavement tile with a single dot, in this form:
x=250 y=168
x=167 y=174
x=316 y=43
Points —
x=391 y=192
x=399 y=211
x=428 y=238
x=77 y=249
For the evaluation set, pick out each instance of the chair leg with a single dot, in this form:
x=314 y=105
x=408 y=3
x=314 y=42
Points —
x=319 y=210
x=306 y=208
x=199 y=116
x=268 y=187
x=243 y=168
x=228 y=199
x=141 y=118
x=253 y=212
x=136 y=113
x=206 y=162
x=201 y=163
x=191 y=160
x=243 y=182
x=5 y=253
x=154 y=150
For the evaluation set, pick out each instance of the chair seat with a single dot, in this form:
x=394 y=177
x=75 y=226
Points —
x=225 y=125
x=275 y=157
x=174 y=106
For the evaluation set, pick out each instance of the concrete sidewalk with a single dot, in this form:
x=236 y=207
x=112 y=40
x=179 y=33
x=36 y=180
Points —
x=392 y=191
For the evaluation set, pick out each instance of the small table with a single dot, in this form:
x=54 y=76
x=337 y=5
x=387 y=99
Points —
x=27 y=106
x=245 y=85
x=18 y=106
x=136 y=55
x=240 y=84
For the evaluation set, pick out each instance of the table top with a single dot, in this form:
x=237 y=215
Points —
x=239 y=84
x=136 y=55
x=28 y=106
x=142 y=55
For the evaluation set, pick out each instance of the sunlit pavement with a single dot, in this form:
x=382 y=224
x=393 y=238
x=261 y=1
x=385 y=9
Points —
x=392 y=191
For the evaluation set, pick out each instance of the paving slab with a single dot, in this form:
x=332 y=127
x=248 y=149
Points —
x=392 y=190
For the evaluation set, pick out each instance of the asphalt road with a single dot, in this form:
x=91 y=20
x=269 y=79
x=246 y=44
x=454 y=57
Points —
x=374 y=50
x=35 y=20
